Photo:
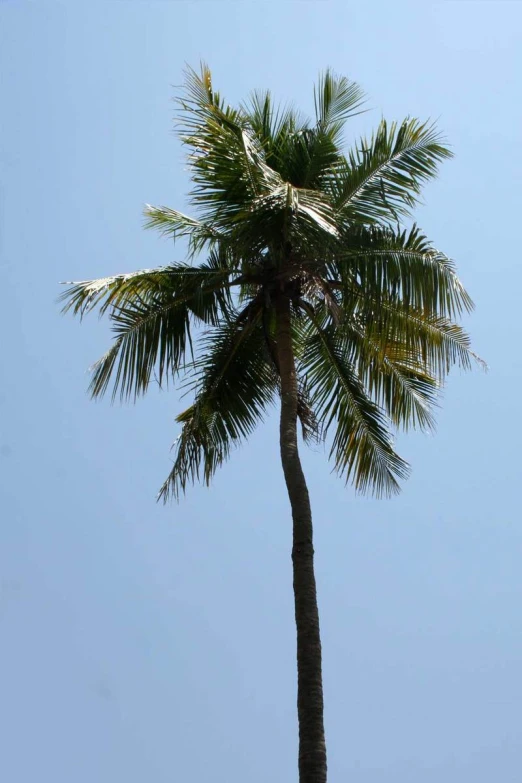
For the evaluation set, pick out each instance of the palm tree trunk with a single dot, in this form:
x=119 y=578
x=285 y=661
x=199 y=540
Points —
x=312 y=746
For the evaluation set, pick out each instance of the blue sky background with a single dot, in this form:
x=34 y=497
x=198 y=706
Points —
x=148 y=643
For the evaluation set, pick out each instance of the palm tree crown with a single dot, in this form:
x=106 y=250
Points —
x=281 y=210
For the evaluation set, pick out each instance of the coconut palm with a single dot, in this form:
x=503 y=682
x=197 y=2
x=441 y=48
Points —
x=302 y=286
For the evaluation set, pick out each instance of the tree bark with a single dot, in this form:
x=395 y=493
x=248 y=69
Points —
x=312 y=746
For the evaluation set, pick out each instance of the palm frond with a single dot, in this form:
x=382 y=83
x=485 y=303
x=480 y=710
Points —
x=175 y=224
x=229 y=175
x=273 y=125
x=151 y=315
x=234 y=382
x=391 y=373
x=199 y=103
x=383 y=176
x=298 y=217
x=310 y=158
x=184 y=281
x=336 y=99
x=83 y=296
x=432 y=341
x=404 y=265
x=362 y=446
x=227 y=159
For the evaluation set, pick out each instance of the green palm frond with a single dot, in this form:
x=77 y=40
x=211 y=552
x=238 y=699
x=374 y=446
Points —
x=425 y=340
x=229 y=175
x=404 y=265
x=200 y=103
x=151 y=315
x=336 y=99
x=273 y=126
x=234 y=383
x=435 y=342
x=184 y=281
x=85 y=295
x=310 y=156
x=302 y=156
x=392 y=374
x=175 y=224
x=227 y=159
x=362 y=446
x=302 y=217
x=382 y=178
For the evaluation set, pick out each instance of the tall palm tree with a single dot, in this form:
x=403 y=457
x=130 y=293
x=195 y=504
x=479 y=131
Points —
x=310 y=292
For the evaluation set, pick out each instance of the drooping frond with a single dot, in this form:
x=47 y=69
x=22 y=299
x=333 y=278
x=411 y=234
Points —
x=362 y=447
x=435 y=342
x=111 y=292
x=151 y=314
x=382 y=178
x=234 y=382
x=83 y=296
x=392 y=374
x=402 y=265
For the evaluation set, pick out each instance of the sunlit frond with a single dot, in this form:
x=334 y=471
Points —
x=435 y=342
x=151 y=314
x=393 y=375
x=184 y=281
x=336 y=99
x=404 y=265
x=383 y=176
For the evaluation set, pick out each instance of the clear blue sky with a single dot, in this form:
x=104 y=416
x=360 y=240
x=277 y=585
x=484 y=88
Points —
x=149 y=643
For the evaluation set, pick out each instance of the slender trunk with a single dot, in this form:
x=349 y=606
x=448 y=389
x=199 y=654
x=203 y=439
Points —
x=312 y=747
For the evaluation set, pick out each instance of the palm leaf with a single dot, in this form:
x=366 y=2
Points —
x=362 y=447
x=175 y=224
x=404 y=265
x=234 y=382
x=227 y=160
x=383 y=176
x=181 y=280
x=336 y=99
x=83 y=296
x=391 y=373
x=311 y=156
x=433 y=341
x=151 y=315
x=273 y=126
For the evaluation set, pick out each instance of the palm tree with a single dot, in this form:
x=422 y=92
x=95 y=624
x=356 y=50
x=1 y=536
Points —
x=310 y=292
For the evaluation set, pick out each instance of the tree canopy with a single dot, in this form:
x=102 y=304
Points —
x=279 y=205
